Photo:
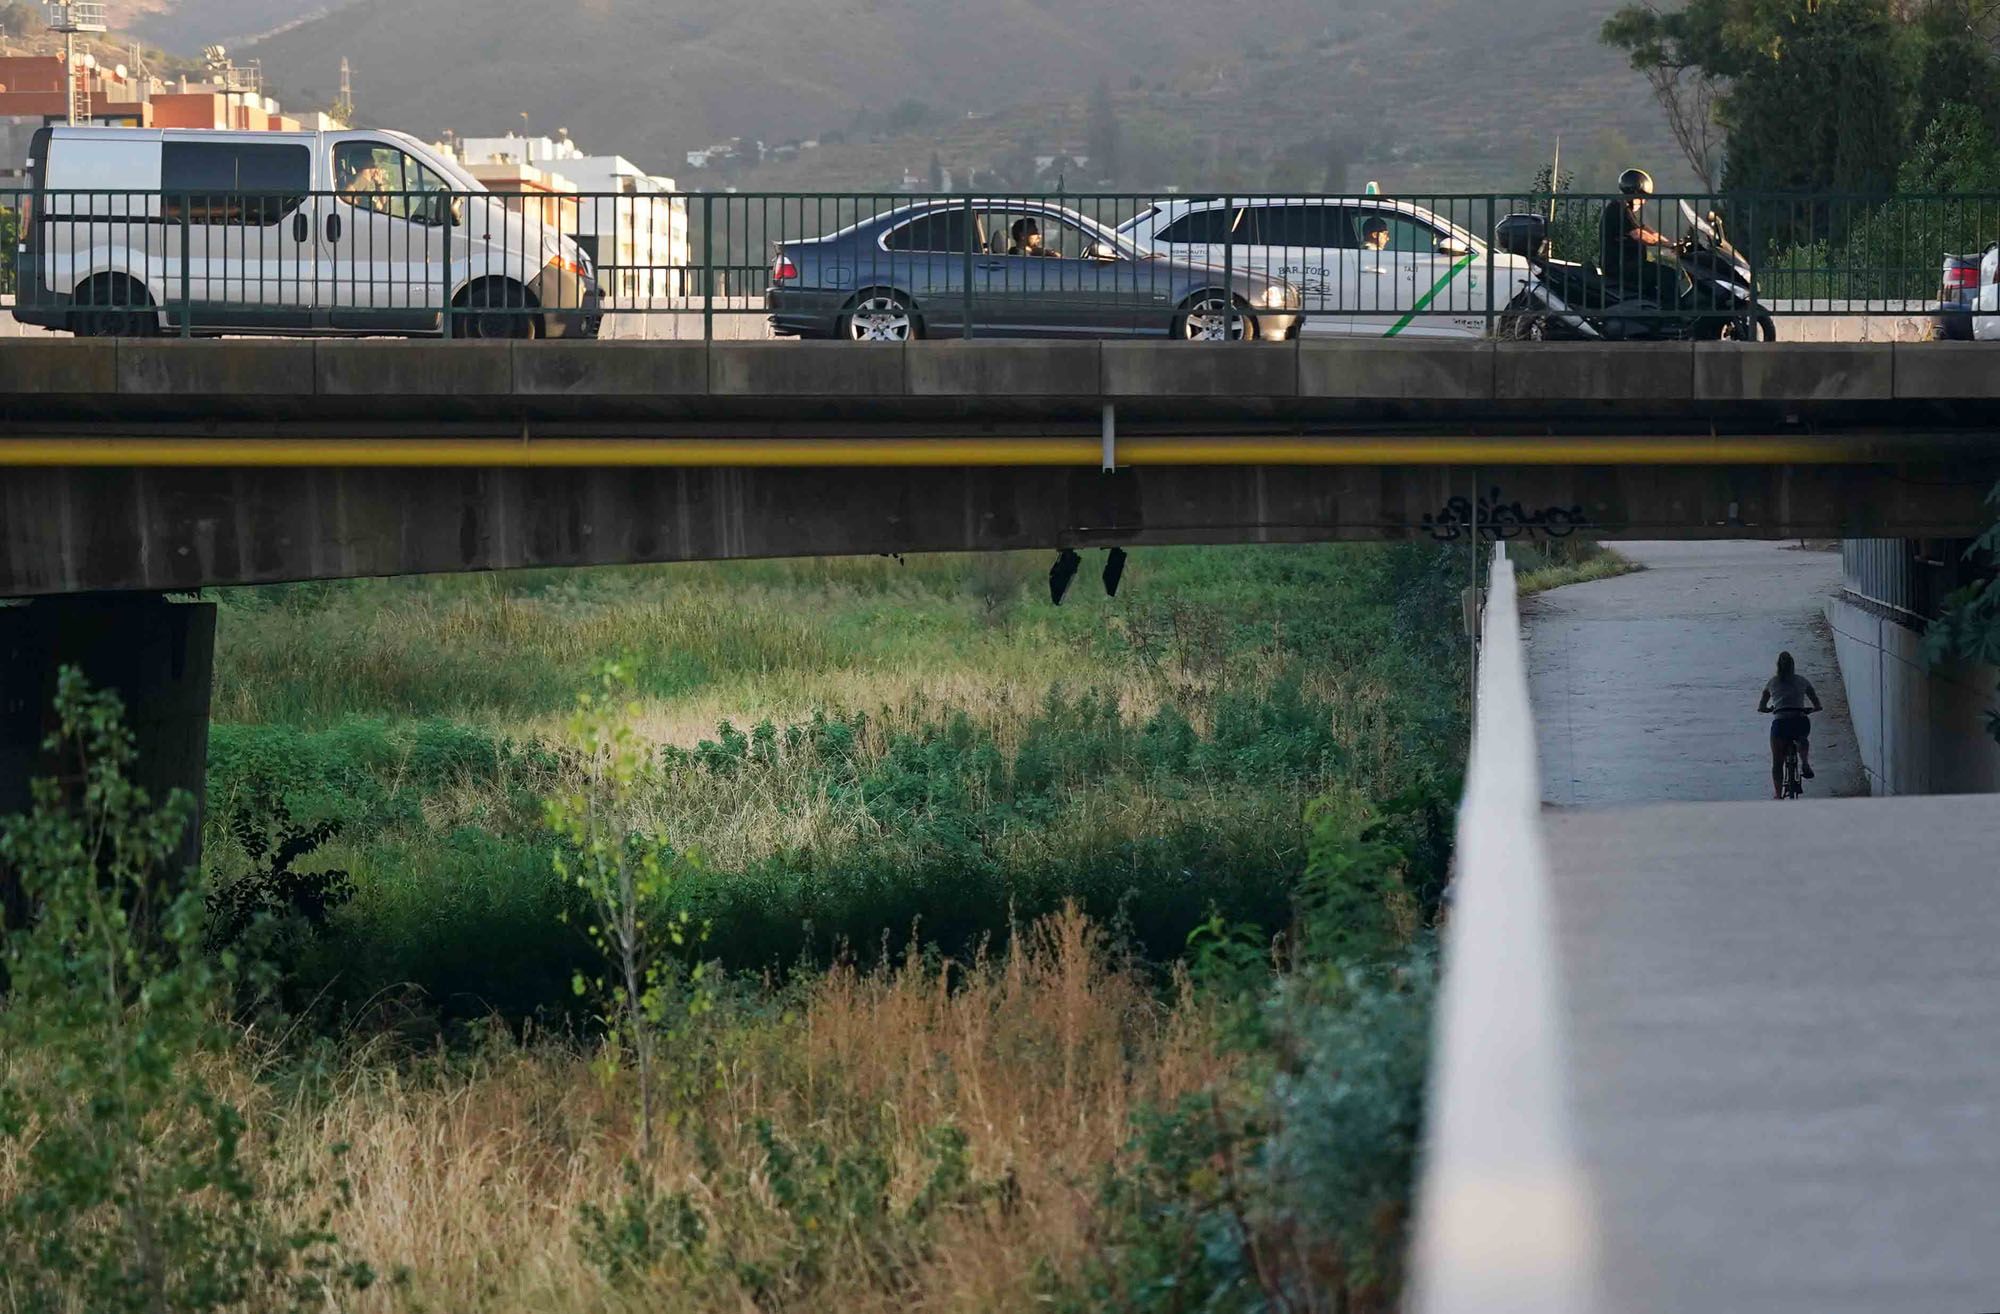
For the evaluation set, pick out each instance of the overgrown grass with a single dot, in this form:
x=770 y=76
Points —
x=1043 y=1128
x=1072 y=959
x=853 y=748
x=1552 y=566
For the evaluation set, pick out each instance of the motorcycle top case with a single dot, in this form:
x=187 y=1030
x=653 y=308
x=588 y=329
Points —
x=1524 y=235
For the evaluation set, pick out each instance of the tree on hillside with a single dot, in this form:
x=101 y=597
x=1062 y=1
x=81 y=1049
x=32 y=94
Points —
x=1102 y=134
x=1336 y=160
x=937 y=173
x=1660 y=47
x=19 y=20
x=1808 y=95
x=1960 y=49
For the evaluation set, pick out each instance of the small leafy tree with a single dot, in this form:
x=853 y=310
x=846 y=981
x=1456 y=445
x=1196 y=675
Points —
x=1969 y=625
x=624 y=873
x=131 y=1189
x=274 y=887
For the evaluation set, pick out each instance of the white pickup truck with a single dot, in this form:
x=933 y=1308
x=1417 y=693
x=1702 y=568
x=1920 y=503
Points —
x=1986 y=306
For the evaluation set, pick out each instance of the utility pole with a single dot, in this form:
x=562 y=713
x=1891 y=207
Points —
x=343 y=109
x=71 y=17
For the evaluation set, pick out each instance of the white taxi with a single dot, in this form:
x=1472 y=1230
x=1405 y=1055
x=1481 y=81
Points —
x=1365 y=266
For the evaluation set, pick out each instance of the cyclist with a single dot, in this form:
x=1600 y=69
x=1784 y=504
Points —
x=1789 y=695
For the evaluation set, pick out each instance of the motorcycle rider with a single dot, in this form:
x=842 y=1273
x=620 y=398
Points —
x=1625 y=242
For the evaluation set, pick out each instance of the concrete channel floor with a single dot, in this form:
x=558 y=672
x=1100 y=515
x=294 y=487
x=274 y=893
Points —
x=1784 y=1034
x=1645 y=686
x=1783 y=1019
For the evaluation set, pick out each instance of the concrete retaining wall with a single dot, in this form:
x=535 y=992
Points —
x=1920 y=731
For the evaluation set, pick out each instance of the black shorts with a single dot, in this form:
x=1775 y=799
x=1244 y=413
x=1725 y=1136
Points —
x=1791 y=726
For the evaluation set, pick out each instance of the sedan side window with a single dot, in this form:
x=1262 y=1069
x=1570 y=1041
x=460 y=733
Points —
x=1310 y=227
x=1405 y=234
x=938 y=231
x=1037 y=233
x=1199 y=228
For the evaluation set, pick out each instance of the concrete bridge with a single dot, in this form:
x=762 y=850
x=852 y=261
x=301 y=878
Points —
x=1674 y=1071
x=158 y=465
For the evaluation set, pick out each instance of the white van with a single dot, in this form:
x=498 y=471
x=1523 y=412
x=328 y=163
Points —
x=127 y=230
x=1425 y=277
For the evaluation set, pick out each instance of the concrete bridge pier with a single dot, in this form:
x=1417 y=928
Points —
x=159 y=656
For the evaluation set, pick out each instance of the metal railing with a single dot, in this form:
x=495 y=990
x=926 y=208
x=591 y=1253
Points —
x=893 y=265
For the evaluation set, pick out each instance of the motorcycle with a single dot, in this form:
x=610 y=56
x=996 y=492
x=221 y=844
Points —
x=1716 y=297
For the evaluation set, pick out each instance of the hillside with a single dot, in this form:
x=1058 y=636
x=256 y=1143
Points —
x=1434 y=93
x=188 y=25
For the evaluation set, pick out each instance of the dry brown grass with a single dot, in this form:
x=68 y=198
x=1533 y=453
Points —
x=470 y=1172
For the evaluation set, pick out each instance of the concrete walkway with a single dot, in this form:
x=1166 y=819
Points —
x=1645 y=686
x=1784 y=1033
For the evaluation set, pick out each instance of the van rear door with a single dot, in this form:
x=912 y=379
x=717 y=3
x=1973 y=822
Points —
x=31 y=284
x=99 y=210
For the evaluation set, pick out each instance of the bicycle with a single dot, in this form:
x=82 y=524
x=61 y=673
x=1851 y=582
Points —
x=1791 y=785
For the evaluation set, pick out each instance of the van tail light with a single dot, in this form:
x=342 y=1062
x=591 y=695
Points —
x=783 y=270
x=1961 y=275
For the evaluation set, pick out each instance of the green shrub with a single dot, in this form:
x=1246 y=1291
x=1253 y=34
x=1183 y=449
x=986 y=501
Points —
x=133 y=1186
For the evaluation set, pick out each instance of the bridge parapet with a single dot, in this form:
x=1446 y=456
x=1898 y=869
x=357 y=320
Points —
x=1504 y=1220
x=1675 y=384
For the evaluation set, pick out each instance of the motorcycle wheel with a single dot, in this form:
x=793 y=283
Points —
x=1524 y=328
x=1745 y=329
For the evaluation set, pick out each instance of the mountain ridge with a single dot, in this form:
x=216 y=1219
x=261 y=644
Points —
x=1462 y=89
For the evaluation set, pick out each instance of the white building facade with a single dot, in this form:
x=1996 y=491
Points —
x=632 y=223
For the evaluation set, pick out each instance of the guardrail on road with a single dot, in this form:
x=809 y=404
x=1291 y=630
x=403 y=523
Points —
x=894 y=264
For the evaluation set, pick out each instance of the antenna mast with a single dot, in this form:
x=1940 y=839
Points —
x=71 y=17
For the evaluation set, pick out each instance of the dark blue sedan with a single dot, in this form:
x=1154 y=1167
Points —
x=1036 y=270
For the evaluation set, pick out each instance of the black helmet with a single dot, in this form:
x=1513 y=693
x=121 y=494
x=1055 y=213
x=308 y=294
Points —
x=1635 y=182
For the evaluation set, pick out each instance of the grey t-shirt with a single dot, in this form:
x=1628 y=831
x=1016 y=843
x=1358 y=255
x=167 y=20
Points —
x=1790 y=693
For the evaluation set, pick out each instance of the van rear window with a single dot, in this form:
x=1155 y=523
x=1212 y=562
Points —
x=224 y=182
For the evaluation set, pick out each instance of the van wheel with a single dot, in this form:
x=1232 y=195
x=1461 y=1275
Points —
x=495 y=308
x=114 y=306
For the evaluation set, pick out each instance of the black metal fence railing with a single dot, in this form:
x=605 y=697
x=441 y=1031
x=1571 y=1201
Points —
x=890 y=266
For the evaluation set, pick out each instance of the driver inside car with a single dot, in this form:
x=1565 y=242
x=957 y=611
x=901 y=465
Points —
x=1025 y=239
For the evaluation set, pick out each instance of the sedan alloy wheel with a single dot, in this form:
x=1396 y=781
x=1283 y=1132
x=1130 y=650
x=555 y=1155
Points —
x=880 y=317
x=1208 y=319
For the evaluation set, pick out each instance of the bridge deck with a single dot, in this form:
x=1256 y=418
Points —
x=1784 y=1031
x=153 y=465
